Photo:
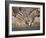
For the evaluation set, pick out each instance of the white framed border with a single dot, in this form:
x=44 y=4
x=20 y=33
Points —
x=25 y=32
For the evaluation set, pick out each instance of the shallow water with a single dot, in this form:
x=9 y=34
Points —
x=26 y=28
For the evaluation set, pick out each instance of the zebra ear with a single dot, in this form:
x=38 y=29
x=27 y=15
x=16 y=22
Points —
x=20 y=8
